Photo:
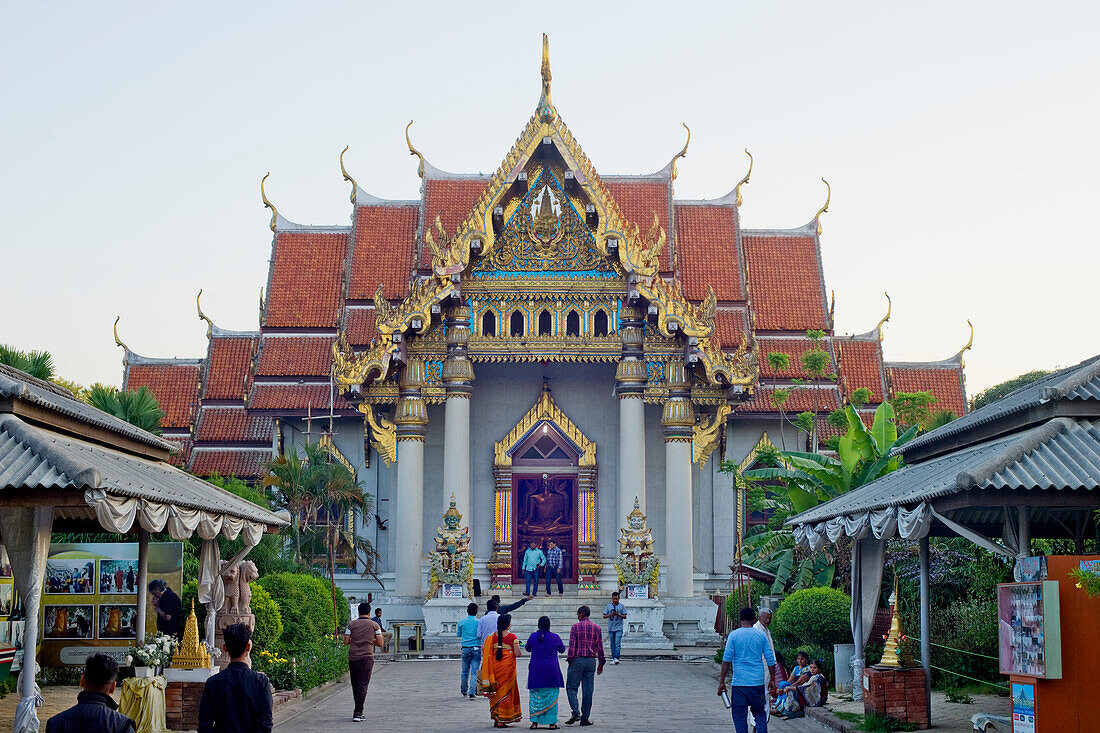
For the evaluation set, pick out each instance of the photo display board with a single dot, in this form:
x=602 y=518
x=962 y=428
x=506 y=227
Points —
x=1029 y=629
x=90 y=596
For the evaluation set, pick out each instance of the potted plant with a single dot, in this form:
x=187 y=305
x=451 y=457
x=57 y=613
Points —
x=153 y=656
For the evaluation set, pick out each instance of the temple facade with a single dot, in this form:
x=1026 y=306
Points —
x=545 y=345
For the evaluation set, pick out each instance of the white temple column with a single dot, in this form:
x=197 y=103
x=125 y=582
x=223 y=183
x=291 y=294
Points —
x=412 y=424
x=458 y=378
x=630 y=380
x=677 y=422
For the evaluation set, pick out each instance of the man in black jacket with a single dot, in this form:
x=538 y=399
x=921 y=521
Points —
x=94 y=711
x=236 y=700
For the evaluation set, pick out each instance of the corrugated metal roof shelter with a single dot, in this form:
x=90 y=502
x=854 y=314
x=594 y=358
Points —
x=1025 y=466
x=67 y=465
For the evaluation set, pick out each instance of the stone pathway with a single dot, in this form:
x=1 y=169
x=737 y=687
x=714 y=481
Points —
x=423 y=695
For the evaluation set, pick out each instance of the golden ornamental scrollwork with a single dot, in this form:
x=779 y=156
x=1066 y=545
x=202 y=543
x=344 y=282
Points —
x=351 y=370
x=544 y=409
x=674 y=313
x=643 y=253
x=383 y=433
x=740 y=368
x=706 y=435
x=414 y=313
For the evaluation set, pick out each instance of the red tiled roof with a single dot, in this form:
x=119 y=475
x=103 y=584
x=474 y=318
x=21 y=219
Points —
x=795 y=349
x=729 y=327
x=176 y=387
x=801 y=400
x=945 y=384
x=307 y=278
x=294 y=397
x=227 y=368
x=361 y=326
x=860 y=366
x=637 y=200
x=385 y=244
x=706 y=252
x=455 y=198
x=785 y=282
x=232 y=424
x=286 y=356
x=242 y=463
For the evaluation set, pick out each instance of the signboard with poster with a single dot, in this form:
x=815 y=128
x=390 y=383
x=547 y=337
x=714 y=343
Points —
x=1029 y=629
x=1023 y=708
x=90 y=595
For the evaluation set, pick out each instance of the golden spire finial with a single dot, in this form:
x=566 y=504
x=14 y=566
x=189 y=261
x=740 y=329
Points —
x=823 y=209
x=268 y=204
x=832 y=307
x=414 y=151
x=347 y=176
x=968 y=347
x=118 y=341
x=885 y=318
x=203 y=316
x=743 y=181
x=683 y=153
x=545 y=108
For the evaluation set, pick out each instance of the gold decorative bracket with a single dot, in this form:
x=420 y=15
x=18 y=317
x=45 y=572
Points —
x=706 y=435
x=383 y=433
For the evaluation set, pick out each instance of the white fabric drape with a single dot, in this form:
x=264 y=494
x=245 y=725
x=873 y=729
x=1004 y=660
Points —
x=117 y=514
x=26 y=532
x=882 y=524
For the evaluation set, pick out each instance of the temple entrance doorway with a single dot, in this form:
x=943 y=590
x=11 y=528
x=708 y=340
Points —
x=544 y=493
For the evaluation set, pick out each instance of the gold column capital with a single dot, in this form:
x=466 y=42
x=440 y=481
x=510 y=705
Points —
x=411 y=416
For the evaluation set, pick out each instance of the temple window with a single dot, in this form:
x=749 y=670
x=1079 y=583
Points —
x=599 y=323
x=515 y=323
x=488 y=323
x=546 y=323
x=573 y=324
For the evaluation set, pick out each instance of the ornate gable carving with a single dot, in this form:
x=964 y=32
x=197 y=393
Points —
x=545 y=410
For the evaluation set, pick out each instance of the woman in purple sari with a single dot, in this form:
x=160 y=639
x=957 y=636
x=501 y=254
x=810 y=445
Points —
x=544 y=680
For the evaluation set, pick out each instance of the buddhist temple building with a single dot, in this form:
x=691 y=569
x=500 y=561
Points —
x=546 y=344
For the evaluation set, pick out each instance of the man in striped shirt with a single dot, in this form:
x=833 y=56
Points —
x=585 y=647
x=553 y=566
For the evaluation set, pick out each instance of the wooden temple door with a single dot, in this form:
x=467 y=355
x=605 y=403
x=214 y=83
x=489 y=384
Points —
x=544 y=497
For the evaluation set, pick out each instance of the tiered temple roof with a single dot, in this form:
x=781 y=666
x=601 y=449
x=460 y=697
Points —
x=768 y=284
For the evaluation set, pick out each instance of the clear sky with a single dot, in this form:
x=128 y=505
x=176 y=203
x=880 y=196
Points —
x=960 y=140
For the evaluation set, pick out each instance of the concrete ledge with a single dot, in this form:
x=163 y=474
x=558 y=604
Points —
x=827 y=718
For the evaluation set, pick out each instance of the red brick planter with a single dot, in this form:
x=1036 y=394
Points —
x=898 y=693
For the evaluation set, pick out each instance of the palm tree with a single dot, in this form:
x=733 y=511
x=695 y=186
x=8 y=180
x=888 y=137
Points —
x=136 y=406
x=38 y=364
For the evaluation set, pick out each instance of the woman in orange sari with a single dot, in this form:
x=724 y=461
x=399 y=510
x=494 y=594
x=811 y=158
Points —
x=498 y=674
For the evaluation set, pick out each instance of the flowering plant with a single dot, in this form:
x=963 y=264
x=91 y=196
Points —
x=157 y=651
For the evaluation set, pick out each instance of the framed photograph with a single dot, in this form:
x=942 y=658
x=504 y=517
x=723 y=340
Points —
x=17 y=629
x=118 y=576
x=64 y=576
x=5 y=633
x=5 y=599
x=116 y=621
x=5 y=563
x=68 y=622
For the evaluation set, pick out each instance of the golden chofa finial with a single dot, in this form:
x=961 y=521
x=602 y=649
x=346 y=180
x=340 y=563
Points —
x=832 y=307
x=885 y=318
x=823 y=209
x=414 y=151
x=968 y=347
x=683 y=153
x=203 y=316
x=118 y=341
x=545 y=108
x=347 y=176
x=268 y=204
x=743 y=181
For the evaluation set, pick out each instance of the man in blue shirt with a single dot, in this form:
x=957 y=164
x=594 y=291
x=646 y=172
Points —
x=747 y=650
x=471 y=651
x=615 y=612
x=533 y=559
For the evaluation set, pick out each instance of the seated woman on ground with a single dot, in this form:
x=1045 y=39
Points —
x=810 y=694
x=799 y=675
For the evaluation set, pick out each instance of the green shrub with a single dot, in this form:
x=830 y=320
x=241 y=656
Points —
x=305 y=602
x=269 y=619
x=818 y=616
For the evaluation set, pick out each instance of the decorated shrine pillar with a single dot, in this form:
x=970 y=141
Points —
x=412 y=425
x=677 y=422
x=630 y=379
x=458 y=377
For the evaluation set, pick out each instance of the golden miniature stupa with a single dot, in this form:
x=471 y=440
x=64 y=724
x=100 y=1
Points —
x=191 y=653
x=895 y=655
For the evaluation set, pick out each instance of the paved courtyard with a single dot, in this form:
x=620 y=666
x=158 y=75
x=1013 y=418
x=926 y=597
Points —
x=423 y=695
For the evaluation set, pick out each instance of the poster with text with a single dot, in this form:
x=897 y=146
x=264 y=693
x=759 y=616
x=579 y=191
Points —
x=1023 y=708
x=91 y=596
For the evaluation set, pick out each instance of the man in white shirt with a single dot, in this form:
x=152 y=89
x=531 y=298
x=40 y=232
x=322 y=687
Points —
x=763 y=621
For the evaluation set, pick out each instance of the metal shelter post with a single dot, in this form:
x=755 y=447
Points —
x=925 y=621
x=142 y=582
